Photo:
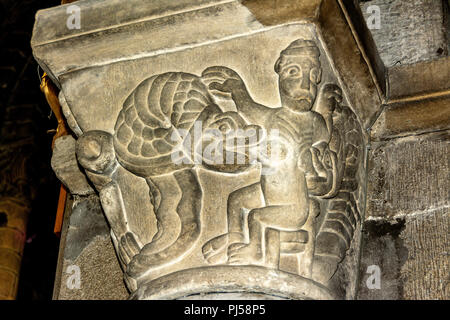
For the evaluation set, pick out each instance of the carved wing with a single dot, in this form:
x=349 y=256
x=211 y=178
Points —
x=159 y=119
x=150 y=118
x=335 y=235
x=155 y=117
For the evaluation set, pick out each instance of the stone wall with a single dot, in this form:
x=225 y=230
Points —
x=407 y=224
x=410 y=31
x=406 y=232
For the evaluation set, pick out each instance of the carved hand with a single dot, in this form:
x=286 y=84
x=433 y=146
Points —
x=223 y=79
x=329 y=97
x=323 y=162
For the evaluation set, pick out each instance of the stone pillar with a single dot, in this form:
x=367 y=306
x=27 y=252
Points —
x=225 y=140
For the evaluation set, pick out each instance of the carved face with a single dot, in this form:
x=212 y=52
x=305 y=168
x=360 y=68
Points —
x=298 y=80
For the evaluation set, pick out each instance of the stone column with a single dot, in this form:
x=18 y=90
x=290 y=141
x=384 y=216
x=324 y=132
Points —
x=225 y=140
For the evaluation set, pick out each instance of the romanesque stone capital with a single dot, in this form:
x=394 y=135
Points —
x=227 y=146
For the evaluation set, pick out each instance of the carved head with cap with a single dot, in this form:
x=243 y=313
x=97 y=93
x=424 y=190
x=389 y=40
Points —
x=299 y=73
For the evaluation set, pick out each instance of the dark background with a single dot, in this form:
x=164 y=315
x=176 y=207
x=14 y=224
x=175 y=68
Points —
x=24 y=117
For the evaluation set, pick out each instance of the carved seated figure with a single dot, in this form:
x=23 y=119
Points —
x=304 y=166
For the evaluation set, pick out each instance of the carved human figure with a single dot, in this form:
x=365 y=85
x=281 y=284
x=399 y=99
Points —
x=281 y=200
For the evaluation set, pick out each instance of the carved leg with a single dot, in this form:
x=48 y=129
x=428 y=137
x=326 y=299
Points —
x=167 y=218
x=188 y=209
x=306 y=259
x=286 y=217
x=248 y=197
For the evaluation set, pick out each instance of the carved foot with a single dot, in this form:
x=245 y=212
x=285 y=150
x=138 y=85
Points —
x=215 y=250
x=241 y=253
x=140 y=264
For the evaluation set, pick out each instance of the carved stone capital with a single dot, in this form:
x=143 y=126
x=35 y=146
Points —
x=227 y=146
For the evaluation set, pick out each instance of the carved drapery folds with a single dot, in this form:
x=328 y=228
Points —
x=220 y=175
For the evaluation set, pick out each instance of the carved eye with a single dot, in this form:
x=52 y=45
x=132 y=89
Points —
x=293 y=71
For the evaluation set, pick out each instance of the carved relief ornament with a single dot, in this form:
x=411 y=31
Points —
x=287 y=231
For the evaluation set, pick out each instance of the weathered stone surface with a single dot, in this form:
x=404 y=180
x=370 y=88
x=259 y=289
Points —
x=418 y=80
x=87 y=245
x=425 y=274
x=94 y=285
x=412 y=118
x=412 y=254
x=363 y=90
x=180 y=249
x=407 y=224
x=410 y=31
x=86 y=222
x=64 y=164
x=408 y=175
x=289 y=218
x=202 y=230
x=202 y=22
x=384 y=248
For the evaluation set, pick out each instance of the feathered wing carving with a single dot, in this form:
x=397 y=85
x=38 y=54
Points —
x=342 y=214
x=147 y=126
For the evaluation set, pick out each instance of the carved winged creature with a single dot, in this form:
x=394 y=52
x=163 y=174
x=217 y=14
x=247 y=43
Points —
x=153 y=136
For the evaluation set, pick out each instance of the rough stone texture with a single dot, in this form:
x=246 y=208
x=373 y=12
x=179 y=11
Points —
x=362 y=89
x=426 y=272
x=406 y=232
x=88 y=246
x=382 y=247
x=425 y=79
x=65 y=165
x=232 y=296
x=407 y=194
x=411 y=31
x=105 y=285
x=408 y=175
x=413 y=255
x=86 y=222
